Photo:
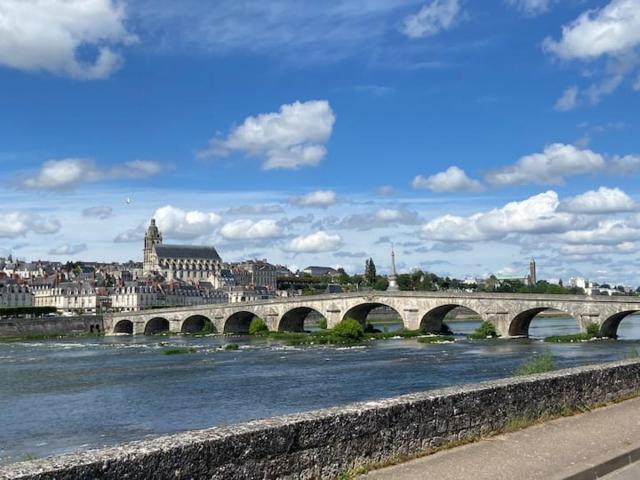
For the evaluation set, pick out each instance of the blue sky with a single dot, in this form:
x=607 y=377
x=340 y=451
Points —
x=472 y=134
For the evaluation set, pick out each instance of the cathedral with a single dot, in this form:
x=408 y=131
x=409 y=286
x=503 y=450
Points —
x=188 y=263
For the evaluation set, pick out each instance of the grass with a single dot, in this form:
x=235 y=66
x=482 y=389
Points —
x=436 y=339
x=578 y=337
x=541 y=364
x=512 y=424
x=179 y=351
x=632 y=354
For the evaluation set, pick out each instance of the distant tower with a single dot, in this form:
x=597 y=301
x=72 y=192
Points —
x=393 y=277
x=151 y=238
x=533 y=277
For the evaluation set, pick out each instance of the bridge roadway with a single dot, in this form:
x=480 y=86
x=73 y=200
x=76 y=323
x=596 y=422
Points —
x=510 y=313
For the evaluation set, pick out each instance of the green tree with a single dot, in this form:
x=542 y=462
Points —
x=258 y=327
x=381 y=284
x=370 y=275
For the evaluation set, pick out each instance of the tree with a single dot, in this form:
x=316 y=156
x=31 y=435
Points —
x=381 y=284
x=370 y=275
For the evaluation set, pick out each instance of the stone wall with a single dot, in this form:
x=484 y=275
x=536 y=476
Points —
x=18 y=327
x=323 y=443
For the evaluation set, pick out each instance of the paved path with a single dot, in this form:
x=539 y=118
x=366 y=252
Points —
x=554 y=450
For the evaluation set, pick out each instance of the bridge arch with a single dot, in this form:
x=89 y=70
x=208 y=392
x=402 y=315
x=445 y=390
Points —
x=519 y=325
x=361 y=311
x=610 y=326
x=433 y=320
x=156 y=325
x=197 y=324
x=293 y=320
x=239 y=322
x=124 y=326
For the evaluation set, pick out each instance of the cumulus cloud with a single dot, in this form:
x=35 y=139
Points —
x=603 y=200
x=549 y=167
x=177 y=223
x=68 y=249
x=383 y=217
x=70 y=172
x=453 y=179
x=611 y=30
x=291 y=138
x=102 y=212
x=48 y=35
x=568 y=100
x=319 y=198
x=317 y=242
x=433 y=18
x=245 y=229
x=350 y=254
x=625 y=165
x=539 y=214
x=19 y=224
x=607 y=232
x=530 y=7
x=131 y=236
x=259 y=209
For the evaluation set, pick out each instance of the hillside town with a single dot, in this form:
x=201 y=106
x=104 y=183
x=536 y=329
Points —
x=183 y=275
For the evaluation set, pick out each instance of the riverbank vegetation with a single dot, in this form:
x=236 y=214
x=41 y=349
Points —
x=179 y=351
x=540 y=364
x=436 y=339
x=484 y=331
x=592 y=332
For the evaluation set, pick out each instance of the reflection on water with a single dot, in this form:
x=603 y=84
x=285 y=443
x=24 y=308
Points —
x=63 y=395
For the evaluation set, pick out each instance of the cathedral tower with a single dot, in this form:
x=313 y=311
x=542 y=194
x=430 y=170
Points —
x=151 y=238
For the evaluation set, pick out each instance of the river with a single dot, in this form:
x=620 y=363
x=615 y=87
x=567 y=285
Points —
x=60 y=396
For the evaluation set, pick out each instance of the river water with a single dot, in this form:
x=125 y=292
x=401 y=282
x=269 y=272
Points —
x=60 y=396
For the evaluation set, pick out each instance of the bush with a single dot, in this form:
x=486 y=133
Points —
x=179 y=351
x=578 y=337
x=485 y=330
x=543 y=363
x=231 y=346
x=322 y=324
x=593 y=329
x=258 y=327
x=349 y=330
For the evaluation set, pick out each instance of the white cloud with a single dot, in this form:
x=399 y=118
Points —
x=434 y=17
x=603 y=200
x=19 y=224
x=607 y=232
x=623 y=248
x=625 y=165
x=319 y=198
x=246 y=229
x=102 y=212
x=177 y=223
x=381 y=218
x=539 y=214
x=612 y=30
x=68 y=249
x=453 y=179
x=131 y=236
x=317 y=242
x=291 y=138
x=258 y=209
x=531 y=7
x=385 y=191
x=48 y=34
x=549 y=167
x=71 y=172
x=568 y=100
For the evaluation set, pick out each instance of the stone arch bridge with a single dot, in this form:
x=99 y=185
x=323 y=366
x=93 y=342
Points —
x=510 y=313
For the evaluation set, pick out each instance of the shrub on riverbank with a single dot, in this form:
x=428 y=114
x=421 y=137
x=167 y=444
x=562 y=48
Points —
x=593 y=331
x=231 y=347
x=541 y=364
x=179 y=351
x=322 y=324
x=258 y=327
x=485 y=330
x=349 y=330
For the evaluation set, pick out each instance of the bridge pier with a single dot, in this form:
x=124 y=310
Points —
x=501 y=320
